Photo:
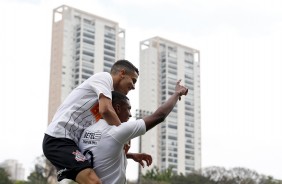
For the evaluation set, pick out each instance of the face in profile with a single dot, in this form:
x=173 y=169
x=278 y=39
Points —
x=123 y=111
x=128 y=82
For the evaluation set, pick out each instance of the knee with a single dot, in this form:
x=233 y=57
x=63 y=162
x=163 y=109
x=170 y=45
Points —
x=87 y=176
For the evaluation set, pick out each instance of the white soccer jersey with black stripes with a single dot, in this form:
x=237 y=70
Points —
x=74 y=115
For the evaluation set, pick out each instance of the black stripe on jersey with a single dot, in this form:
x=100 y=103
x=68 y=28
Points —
x=82 y=118
x=77 y=116
x=82 y=125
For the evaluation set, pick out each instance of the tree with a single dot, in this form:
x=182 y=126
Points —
x=155 y=175
x=41 y=172
x=237 y=175
x=37 y=176
x=217 y=174
x=20 y=182
x=269 y=180
x=245 y=176
x=50 y=171
x=193 y=178
x=4 y=177
x=210 y=175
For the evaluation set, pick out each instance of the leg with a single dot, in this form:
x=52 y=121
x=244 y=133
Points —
x=64 y=154
x=87 y=176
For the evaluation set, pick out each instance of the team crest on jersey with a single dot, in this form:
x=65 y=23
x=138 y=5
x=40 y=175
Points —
x=79 y=156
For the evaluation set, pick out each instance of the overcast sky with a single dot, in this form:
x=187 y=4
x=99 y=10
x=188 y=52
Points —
x=240 y=45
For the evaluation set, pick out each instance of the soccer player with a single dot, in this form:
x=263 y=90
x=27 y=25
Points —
x=103 y=144
x=60 y=144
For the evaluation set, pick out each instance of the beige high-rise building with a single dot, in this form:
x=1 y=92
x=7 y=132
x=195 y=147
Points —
x=82 y=44
x=176 y=142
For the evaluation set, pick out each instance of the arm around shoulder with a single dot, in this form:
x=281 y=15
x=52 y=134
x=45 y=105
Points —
x=107 y=111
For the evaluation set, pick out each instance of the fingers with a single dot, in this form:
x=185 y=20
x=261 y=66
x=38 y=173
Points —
x=147 y=162
x=182 y=89
x=148 y=159
x=186 y=91
x=144 y=157
x=141 y=163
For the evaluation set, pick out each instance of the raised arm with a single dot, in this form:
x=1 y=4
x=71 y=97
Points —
x=161 y=113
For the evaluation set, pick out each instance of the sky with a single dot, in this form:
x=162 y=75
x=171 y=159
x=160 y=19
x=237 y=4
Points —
x=240 y=44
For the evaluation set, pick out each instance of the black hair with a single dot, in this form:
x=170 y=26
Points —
x=118 y=98
x=128 y=66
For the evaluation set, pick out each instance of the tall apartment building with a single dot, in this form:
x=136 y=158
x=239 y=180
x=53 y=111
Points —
x=176 y=142
x=14 y=169
x=82 y=44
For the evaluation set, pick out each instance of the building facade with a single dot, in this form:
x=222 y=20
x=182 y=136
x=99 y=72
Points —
x=176 y=142
x=14 y=169
x=82 y=44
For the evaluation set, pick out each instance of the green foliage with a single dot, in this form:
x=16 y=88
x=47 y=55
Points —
x=155 y=174
x=269 y=180
x=37 y=176
x=192 y=178
x=40 y=173
x=20 y=182
x=4 y=177
x=211 y=175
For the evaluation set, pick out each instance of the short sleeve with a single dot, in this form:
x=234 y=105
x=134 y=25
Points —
x=102 y=83
x=128 y=130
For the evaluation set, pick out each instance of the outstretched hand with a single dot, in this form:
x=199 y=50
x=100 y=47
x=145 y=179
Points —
x=181 y=90
x=140 y=157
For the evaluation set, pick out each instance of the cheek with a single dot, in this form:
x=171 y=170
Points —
x=126 y=83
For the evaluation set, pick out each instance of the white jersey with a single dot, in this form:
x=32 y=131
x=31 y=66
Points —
x=74 y=114
x=106 y=143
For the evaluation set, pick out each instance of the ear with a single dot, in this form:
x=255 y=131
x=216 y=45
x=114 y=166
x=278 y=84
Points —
x=122 y=73
x=117 y=108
